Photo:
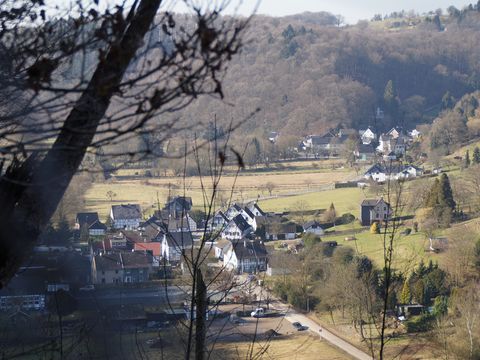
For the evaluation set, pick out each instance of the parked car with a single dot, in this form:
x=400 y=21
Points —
x=87 y=288
x=299 y=326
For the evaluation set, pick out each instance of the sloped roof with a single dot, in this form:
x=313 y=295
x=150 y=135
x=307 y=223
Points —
x=281 y=228
x=97 y=225
x=86 y=218
x=136 y=259
x=240 y=222
x=154 y=247
x=126 y=212
x=369 y=202
x=108 y=262
x=249 y=249
x=312 y=224
x=179 y=239
x=249 y=213
x=185 y=202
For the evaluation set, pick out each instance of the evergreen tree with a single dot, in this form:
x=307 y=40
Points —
x=432 y=198
x=467 y=159
x=389 y=93
x=375 y=228
x=446 y=193
x=476 y=155
x=405 y=296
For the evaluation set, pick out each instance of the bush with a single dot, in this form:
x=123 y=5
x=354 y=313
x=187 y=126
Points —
x=310 y=239
x=346 y=219
x=375 y=228
x=421 y=323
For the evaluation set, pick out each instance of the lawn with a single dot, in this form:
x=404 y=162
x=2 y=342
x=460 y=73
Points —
x=305 y=347
x=345 y=200
x=408 y=249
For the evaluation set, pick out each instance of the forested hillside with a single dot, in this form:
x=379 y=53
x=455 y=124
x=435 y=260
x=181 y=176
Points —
x=309 y=73
x=308 y=76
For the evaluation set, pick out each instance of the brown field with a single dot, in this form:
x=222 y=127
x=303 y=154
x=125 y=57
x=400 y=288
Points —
x=246 y=187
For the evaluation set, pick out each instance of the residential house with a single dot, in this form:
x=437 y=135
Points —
x=107 y=269
x=178 y=206
x=175 y=244
x=137 y=266
x=121 y=267
x=218 y=221
x=246 y=257
x=364 y=152
x=394 y=132
x=90 y=221
x=221 y=246
x=255 y=209
x=367 y=136
x=85 y=218
x=414 y=134
x=237 y=229
x=152 y=248
x=374 y=210
x=380 y=173
x=97 y=229
x=281 y=231
x=313 y=227
x=126 y=216
x=233 y=211
x=181 y=224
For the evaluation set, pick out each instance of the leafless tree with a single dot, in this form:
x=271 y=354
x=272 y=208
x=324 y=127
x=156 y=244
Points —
x=137 y=65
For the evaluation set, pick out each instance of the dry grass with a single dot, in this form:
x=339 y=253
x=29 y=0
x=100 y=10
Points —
x=304 y=346
x=245 y=187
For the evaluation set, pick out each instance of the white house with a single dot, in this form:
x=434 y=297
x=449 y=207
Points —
x=233 y=211
x=237 y=229
x=175 y=244
x=313 y=227
x=126 y=216
x=218 y=221
x=367 y=136
x=246 y=257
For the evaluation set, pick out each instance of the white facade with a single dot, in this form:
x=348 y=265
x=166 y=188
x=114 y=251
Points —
x=368 y=136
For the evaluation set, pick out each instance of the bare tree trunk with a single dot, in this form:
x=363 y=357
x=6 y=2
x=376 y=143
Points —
x=200 y=323
x=30 y=193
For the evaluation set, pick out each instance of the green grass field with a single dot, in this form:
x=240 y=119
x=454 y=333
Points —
x=408 y=249
x=345 y=200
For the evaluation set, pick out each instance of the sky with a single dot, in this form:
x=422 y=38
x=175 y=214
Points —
x=352 y=10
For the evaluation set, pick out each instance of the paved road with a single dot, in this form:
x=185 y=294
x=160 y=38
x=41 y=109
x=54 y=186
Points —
x=292 y=316
x=327 y=335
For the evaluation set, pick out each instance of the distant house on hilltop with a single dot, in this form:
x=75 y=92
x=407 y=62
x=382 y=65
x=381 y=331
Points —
x=374 y=210
x=126 y=216
x=313 y=227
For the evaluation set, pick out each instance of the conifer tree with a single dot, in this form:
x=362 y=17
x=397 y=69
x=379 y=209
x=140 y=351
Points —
x=375 y=228
x=405 y=296
x=476 y=155
x=446 y=193
x=467 y=159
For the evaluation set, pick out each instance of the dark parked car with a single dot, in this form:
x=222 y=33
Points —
x=299 y=326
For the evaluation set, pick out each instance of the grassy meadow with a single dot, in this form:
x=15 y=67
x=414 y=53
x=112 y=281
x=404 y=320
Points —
x=246 y=186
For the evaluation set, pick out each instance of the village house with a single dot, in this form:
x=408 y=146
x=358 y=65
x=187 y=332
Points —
x=380 y=173
x=367 y=136
x=374 y=210
x=121 y=267
x=245 y=256
x=218 y=221
x=178 y=206
x=175 y=244
x=237 y=229
x=280 y=231
x=220 y=247
x=233 y=211
x=152 y=248
x=90 y=221
x=364 y=152
x=126 y=216
x=313 y=227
